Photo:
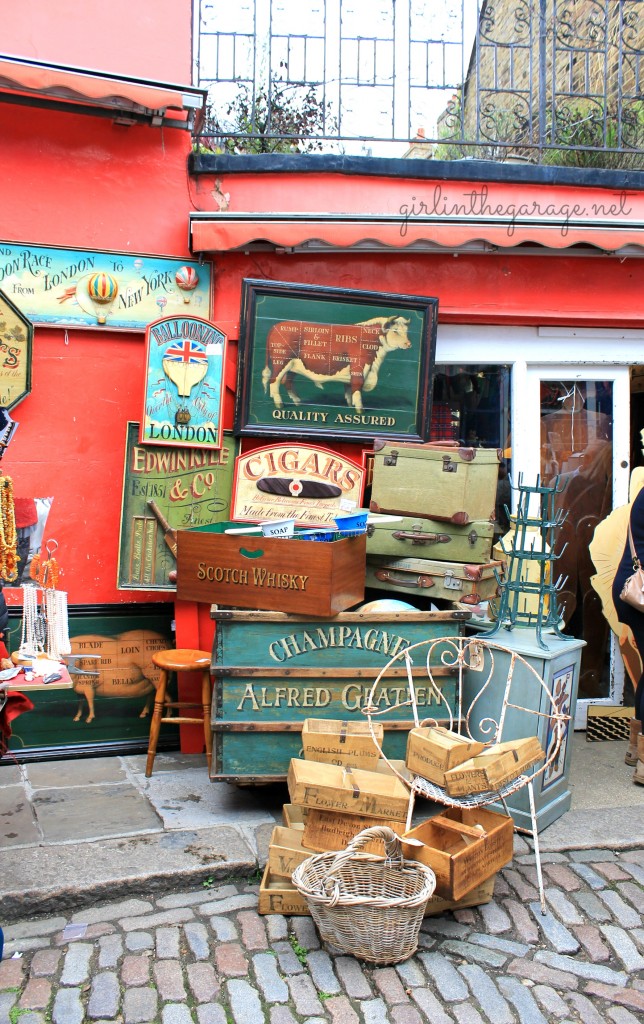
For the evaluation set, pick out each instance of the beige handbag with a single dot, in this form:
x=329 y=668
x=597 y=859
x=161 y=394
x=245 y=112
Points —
x=633 y=589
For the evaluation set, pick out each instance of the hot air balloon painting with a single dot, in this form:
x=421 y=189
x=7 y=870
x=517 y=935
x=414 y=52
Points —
x=185 y=365
x=102 y=290
x=187 y=280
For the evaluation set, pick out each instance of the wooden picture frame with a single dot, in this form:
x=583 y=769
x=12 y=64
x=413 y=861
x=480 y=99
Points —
x=319 y=362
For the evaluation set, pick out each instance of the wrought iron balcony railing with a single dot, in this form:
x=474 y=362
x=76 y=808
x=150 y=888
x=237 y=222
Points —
x=546 y=81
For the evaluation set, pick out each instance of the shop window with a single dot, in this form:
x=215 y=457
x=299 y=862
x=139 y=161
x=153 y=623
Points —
x=471 y=405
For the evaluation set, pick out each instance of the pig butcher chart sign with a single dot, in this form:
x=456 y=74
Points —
x=323 y=362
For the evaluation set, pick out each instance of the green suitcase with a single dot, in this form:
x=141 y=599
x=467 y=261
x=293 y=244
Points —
x=430 y=538
x=447 y=483
x=446 y=581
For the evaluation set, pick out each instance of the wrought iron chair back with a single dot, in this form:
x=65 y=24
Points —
x=497 y=692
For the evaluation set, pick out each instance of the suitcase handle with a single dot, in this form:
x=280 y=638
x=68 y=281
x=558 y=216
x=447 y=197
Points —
x=422 y=538
x=424 y=582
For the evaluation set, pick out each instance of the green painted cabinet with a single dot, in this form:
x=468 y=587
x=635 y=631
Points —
x=272 y=671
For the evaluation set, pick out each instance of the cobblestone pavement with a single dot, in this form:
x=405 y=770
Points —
x=205 y=956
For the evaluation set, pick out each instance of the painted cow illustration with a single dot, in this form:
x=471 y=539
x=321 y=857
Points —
x=124 y=668
x=351 y=354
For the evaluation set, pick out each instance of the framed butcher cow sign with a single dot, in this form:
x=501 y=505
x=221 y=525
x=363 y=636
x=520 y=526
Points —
x=318 y=362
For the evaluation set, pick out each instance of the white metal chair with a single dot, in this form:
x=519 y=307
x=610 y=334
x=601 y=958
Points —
x=484 y=707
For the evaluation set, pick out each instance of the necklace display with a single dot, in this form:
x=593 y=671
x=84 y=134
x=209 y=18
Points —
x=45 y=629
x=8 y=534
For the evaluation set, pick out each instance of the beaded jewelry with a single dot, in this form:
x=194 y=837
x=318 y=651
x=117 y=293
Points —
x=8 y=533
x=58 y=643
x=45 y=628
x=31 y=639
x=46 y=572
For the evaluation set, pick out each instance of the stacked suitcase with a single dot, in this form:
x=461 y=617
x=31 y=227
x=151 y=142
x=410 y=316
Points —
x=441 y=549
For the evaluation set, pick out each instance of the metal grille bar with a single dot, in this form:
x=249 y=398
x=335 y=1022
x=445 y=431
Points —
x=452 y=79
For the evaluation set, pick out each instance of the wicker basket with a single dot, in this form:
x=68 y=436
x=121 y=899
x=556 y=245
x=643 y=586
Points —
x=370 y=907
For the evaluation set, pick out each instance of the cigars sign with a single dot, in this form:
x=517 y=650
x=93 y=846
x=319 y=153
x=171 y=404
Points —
x=297 y=481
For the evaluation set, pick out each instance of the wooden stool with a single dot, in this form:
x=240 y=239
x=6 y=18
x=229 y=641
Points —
x=180 y=661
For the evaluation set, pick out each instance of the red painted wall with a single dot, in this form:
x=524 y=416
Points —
x=82 y=182
x=142 y=40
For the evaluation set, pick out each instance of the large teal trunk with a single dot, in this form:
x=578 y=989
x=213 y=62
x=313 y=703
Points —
x=272 y=671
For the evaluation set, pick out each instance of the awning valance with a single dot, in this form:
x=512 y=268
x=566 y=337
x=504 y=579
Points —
x=80 y=90
x=222 y=232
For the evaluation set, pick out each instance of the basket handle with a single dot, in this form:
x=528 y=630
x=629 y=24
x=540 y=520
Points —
x=393 y=848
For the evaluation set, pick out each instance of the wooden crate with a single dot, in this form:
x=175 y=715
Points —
x=328 y=830
x=394 y=766
x=286 y=850
x=332 y=741
x=251 y=571
x=331 y=788
x=463 y=847
x=476 y=898
x=272 y=671
x=495 y=767
x=279 y=896
x=431 y=538
x=448 y=581
x=433 y=751
x=294 y=816
x=434 y=481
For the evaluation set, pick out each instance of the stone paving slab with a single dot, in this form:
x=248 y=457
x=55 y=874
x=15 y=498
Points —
x=92 y=812
x=41 y=878
x=88 y=771
x=203 y=955
x=17 y=822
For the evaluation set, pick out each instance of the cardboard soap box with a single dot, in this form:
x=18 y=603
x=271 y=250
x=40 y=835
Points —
x=299 y=576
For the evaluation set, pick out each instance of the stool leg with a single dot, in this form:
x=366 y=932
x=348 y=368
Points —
x=206 y=700
x=155 y=723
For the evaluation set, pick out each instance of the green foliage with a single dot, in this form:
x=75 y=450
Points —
x=579 y=134
x=300 y=952
x=593 y=131
x=208 y=882
x=283 y=119
x=16 y=1012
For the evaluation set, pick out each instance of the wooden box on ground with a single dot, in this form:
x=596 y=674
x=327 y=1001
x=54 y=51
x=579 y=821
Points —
x=272 y=671
x=449 y=581
x=328 y=787
x=332 y=741
x=435 y=481
x=433 y=751
x=279 y=896
x=251 y=571
x=496 y=766
x=483 y=893
x=430 y=538
x=286 y=850
x=294 y=816
x=463 y=846
x=328 y=830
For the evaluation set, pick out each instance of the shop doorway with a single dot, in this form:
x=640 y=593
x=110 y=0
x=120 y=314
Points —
x=578 y=434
